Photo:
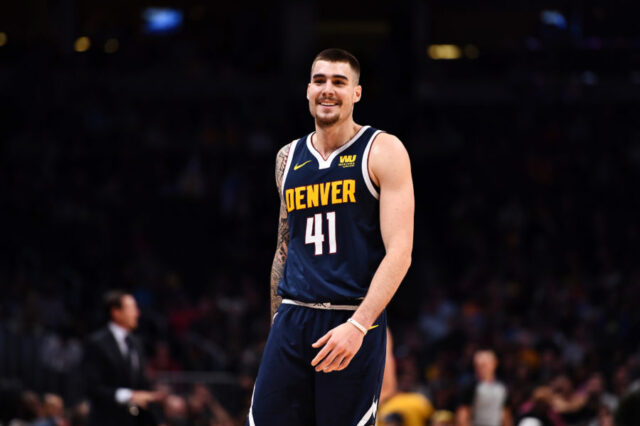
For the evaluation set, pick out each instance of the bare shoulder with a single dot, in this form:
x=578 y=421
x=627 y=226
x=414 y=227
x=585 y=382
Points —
x=281 y=163
x=387 y=144
x=388 y=156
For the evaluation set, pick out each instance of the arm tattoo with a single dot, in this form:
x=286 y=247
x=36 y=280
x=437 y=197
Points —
x=280 y=257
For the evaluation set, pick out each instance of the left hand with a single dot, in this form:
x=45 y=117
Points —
x=340 y=346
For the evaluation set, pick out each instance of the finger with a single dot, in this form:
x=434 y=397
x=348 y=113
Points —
x=323 y=352
x=329 y=362
x=334 y=364
x=344 y=363
x=321 y=341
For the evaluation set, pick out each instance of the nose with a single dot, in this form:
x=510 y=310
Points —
x=328 y=88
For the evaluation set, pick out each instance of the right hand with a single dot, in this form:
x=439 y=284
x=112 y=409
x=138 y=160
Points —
x=339 y=346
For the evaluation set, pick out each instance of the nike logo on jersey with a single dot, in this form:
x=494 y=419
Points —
x=297 y=166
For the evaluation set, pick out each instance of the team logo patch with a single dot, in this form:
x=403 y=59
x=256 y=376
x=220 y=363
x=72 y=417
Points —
x=347 y=161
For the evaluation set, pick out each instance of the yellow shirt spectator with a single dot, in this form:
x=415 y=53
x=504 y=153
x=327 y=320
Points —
x=414 y=408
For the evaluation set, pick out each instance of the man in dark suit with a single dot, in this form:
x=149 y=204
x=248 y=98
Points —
x=114 y=368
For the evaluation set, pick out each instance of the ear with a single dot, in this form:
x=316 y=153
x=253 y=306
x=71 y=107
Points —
x=357 y=93
x=308 y=86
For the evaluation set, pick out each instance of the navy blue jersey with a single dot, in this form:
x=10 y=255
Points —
x=335 y=245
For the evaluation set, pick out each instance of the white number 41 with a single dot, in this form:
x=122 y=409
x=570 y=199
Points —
x=314 y=233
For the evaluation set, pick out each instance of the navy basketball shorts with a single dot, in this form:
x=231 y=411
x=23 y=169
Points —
x=288 y=390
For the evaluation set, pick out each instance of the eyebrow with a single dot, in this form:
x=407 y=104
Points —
x=333 y=76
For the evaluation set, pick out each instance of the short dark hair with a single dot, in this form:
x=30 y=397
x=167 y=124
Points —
x=113 y=300
x=339 y=55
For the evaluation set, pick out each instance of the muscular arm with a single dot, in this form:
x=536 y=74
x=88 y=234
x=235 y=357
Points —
x=390 y=168
x=283 y=233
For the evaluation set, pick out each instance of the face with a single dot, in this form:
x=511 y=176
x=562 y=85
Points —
x=485 y=363
x=126 y=316
x=332 y=92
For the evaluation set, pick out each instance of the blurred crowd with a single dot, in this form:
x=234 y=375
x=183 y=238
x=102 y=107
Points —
x=197 y=407
x=526 y=241
x=536 y=260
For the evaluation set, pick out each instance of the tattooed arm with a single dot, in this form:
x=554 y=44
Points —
x=283 y=233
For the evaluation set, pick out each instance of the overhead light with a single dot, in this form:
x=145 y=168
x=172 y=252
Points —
x=444 y=51
x=162 y=20
x=3 y=39
x=82 y=44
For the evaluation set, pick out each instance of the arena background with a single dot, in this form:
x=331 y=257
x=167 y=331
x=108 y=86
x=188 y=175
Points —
x=137 y=151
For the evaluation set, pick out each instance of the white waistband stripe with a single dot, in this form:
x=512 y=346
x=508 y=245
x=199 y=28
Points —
x=325 y=305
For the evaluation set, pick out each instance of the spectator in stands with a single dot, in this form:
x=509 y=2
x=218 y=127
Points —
x=52 y=411
x=538 y=409
x=162 y=360
x=442 y=418
x=485 y=401
x=29 y=409
x=575 y=405
x=79 y=415
x=205 y=410
x=175 y=411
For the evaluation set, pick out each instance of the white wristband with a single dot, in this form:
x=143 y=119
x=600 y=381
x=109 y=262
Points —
x=357 y=325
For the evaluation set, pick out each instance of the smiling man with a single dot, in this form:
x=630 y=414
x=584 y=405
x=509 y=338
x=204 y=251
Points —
x=345 y=237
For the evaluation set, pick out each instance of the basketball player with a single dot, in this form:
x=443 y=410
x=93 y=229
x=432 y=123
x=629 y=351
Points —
x=344 y=245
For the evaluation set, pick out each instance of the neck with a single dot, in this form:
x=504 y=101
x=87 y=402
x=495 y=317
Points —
x=118 y=325
x=328 y=139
